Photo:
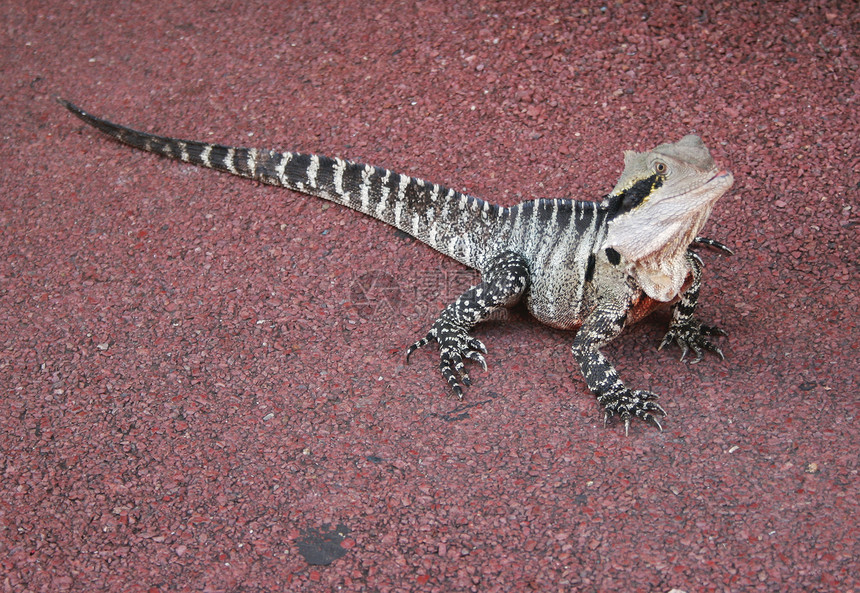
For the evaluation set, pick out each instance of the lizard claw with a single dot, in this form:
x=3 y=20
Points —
x=455 y=346
x=627 y=403
x=715 y=244
x=479 y=358
x=692 y=335
x=419 y=344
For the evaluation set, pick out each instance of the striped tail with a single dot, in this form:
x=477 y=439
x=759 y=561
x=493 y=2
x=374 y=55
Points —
x=453 y=223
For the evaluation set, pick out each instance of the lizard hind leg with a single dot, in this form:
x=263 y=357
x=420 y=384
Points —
x=504 y=280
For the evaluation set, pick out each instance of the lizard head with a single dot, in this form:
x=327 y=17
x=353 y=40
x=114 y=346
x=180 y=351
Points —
x=657 y=208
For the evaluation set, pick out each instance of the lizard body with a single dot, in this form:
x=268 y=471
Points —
x=594 y=267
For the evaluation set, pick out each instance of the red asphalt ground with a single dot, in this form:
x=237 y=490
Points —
x=203 y=378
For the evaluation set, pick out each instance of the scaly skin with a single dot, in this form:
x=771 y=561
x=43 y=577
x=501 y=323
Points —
x=577 y=265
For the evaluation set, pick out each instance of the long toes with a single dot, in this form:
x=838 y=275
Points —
x=477 y=357
x=698 y=351
x=638 y=403
x=650 y=408
x=647 y=396
x=460 y=369
x=720 y=247
x=453 y=383
x=449 y=364
x=707 y=344
x=654 y=420
x=476 y=344
x=419 y=344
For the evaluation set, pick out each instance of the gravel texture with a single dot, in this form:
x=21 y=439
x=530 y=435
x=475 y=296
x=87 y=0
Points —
x=204 y=382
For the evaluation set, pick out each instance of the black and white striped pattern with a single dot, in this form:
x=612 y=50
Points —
x=505 y=279
x=453 y=223
x=549 y=252
x=599 y=328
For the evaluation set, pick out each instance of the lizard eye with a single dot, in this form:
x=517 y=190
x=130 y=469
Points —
x=660 y=168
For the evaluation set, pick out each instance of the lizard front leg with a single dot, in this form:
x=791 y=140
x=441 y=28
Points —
x=686 y=330
x=599 y=327
x=504 y=281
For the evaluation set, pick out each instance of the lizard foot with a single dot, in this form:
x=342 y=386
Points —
x=627 y=403
x=693 y=335
x=455 y=346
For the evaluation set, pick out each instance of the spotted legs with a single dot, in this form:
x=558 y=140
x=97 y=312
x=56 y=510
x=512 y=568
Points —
x=686 y=330
x=503 y=282
x=601 y=326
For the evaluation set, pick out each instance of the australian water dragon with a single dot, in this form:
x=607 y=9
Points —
x=594 y=267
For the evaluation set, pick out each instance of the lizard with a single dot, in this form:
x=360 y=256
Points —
x=590 y=266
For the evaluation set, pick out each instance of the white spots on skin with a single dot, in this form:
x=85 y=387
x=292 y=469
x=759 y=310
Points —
x=401 y=199
x=431 y=236
x=398 y=212
x=453 y=245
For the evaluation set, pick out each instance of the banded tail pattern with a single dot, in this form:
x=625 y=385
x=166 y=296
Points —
x=453 y=223
x=586 y=266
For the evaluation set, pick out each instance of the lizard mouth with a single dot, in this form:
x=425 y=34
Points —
x=720 y=183
x=709 y=191
x=669 y=221
x=720 y=175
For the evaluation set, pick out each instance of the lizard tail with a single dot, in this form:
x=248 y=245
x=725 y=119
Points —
x=453 y=223
x=238 y=161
